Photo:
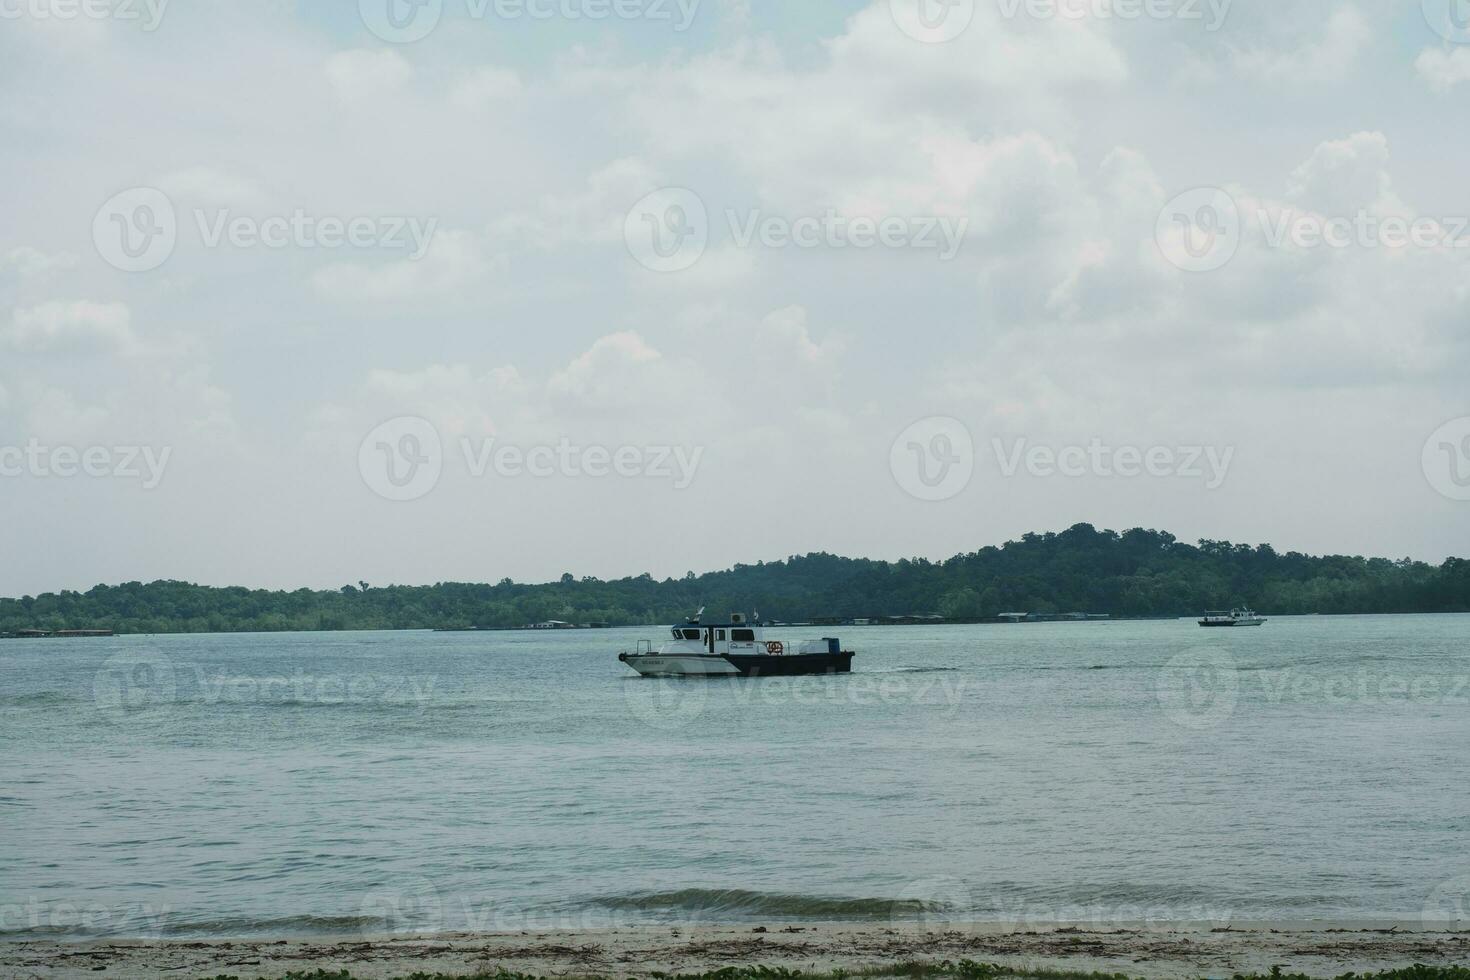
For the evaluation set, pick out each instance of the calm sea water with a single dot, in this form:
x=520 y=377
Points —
x=303 y=783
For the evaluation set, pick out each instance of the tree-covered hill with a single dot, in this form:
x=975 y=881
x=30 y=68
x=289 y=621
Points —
x=1137 y=573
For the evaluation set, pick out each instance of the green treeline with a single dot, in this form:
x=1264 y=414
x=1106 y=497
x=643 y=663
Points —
x=1137 y=573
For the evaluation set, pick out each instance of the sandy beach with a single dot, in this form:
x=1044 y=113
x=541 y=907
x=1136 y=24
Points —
x=1146 y=951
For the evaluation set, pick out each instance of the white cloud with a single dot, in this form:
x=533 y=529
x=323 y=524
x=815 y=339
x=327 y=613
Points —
x=458 y=266
x=484 y=86
x=32 y=264
x=78 y=325
x=1059 y=140
x=620 y=374
x=367 y=73
x=1344 y=175
x=592 y=213
x=1443 y=70
x=201 y=186
x=1329 y=58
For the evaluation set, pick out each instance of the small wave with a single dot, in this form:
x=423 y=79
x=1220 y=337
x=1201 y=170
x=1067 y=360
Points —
x=739 y=902
x=38 y=699
x=132 y=923
x=273 y=926
x=914 y=670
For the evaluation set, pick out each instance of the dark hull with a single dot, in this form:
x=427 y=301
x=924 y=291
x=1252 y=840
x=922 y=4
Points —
x=792 y=665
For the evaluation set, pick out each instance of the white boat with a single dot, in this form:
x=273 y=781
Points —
x=738 y=648
x=1235 y=617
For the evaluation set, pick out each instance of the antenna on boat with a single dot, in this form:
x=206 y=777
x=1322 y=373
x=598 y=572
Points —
x=697 y=616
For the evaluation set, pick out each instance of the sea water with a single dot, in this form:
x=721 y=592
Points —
x=380 y=782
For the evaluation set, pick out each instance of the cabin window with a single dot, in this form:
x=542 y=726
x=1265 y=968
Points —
x=743 y=636
x=691 y=634
x=719 y=634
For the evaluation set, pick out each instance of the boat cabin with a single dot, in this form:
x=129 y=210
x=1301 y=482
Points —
x=739 y=636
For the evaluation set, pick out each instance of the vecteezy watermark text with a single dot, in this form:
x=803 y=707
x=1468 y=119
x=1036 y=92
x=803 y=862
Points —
x=34 y=459
x=1210 y=464
x=1200 y=688
x=403 y=459
x=676 y=463
x=138 y=229
x=1210 y=13
x=935 y=458
x=1202 y=229
x=669 y=704
x=148 y=13
x=132 y=681
x=940 y=21
x=46 y=918
x=407 y=21
x=669 y=230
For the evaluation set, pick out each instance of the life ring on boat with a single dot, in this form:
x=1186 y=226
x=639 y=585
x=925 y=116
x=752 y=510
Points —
x=775 y=648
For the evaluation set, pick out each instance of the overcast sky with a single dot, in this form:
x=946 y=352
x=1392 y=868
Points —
x=301 y=294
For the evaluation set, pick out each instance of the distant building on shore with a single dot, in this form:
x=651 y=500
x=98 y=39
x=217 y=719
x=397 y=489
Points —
x=1071 y=617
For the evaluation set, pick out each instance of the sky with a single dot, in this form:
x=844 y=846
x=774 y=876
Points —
x=406 y=291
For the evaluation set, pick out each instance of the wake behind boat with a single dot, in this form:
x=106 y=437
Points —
x=735 y=649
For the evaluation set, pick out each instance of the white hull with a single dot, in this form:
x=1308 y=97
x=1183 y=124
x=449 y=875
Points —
x=681 y=665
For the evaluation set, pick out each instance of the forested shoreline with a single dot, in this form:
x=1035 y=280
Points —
x=1133 y=574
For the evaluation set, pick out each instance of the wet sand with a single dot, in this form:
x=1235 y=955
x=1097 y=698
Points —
x=1145 y=951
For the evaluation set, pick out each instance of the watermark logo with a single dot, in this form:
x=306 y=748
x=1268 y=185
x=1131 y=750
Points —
x=402 y=459
x=1362 y=229
x=1199 y=230
x=1198 y=689
x=49 y=918
x=415 y=906
x=1446 y=459
x=1208 y=464
x=678 y=464
x=667 y=704
x=407 y=21
x=136 y=230
x=1212 y=13
x=932 y=21
x=1448 y=906
x=149 y=13
x=1365 y=689
x=302 y=230
x=671 y=703
x=401 y=21
x=1450 y=19
x=932 y=902
x=668 y=230
x=832 y=230
x=933 y=459
x=134 y=681
x=143 y=463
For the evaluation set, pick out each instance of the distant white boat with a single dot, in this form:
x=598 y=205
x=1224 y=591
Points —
x=1235 y=617
x=735 y=649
